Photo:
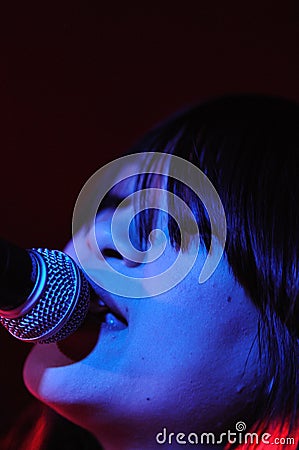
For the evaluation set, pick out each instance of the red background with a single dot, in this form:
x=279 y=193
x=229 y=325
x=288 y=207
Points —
x=79 y=84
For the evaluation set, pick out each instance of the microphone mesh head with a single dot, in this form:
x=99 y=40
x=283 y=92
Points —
x=62 y=306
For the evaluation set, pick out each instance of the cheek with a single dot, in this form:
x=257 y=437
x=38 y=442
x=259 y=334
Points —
x=191 y=387
x=175 y=343
x=206 y=362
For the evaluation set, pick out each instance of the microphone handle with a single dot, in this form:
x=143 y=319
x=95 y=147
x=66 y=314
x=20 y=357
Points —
x=17 y=275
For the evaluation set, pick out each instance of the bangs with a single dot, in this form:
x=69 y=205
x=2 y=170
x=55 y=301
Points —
x=175 y=203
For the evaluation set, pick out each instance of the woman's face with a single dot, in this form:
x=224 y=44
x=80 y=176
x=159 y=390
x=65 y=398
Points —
x=185 y=359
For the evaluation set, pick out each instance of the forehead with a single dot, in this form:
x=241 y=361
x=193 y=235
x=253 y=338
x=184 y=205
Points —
x=127 y=183
x=124 y=187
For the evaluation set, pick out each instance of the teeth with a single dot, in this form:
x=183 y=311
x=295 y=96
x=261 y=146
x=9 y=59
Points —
x=101 y=312
x=110 y=319
x=113 y=322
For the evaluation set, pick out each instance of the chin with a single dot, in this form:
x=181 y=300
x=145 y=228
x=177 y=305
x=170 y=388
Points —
x=38 y=372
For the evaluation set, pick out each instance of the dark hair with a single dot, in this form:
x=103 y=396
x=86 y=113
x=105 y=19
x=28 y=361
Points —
x=247 y=145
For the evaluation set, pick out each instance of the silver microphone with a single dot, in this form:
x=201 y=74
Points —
x=57 y=304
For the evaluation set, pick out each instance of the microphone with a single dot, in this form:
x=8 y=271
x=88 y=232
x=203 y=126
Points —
x=44 y=295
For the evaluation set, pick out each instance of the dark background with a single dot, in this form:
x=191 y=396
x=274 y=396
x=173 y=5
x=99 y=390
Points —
x=80 y=83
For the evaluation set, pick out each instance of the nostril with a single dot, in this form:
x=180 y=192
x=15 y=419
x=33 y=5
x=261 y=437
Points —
x=111 y=253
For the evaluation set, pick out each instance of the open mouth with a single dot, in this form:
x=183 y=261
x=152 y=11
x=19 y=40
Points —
x=103 y=314
x=100 y=317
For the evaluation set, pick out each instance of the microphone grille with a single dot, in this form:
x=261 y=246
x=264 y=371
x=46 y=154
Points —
x=62 y=305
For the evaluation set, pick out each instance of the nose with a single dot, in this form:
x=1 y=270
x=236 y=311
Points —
x=114 y=247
